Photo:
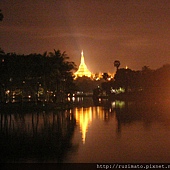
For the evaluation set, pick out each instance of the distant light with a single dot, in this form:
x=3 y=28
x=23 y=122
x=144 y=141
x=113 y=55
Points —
x=120 y=104
x=126 y=67
x=7 y=92
x=73 y=98
x=113 y=90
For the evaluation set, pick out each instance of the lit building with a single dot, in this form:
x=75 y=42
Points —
x=82 y=70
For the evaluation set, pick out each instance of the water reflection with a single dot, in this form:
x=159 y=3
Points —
x=83 y=118
x=128 y=113
x=93 y=131
x=36 y=137
x=122 y=132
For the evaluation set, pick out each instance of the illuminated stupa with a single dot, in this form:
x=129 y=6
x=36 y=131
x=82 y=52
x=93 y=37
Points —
x=82 y=70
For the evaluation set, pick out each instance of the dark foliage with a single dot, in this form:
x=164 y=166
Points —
x=147 y=83
x=50 y=71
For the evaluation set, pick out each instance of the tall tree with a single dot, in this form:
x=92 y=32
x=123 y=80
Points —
x=60 y=77
x=117 y=64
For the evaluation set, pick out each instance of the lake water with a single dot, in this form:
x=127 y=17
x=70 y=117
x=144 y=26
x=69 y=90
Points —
x=102 y=132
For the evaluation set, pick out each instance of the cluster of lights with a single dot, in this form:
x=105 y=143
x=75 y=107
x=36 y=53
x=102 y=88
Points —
x=117 y=91
x=118 y=104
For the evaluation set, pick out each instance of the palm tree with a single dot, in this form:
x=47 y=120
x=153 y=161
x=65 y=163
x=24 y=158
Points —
x=117 y=64
x=60 y=76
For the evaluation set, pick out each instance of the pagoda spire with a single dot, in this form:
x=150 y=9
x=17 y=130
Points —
x=82 y=70
x=82 y=58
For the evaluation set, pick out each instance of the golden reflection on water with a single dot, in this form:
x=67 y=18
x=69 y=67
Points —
x=121 y=131
x=83 y=118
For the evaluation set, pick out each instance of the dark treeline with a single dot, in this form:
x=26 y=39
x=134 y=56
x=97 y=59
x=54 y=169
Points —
x=145 y=83
x=44 y=77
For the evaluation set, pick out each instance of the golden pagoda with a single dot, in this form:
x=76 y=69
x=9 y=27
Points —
x=82 y=70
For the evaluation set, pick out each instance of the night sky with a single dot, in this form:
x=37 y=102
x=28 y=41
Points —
x=135 y=32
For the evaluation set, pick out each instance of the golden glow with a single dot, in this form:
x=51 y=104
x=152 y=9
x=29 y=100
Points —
x=82 y=70
x=84 y=118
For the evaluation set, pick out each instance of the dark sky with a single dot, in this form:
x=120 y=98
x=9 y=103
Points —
x=136 y=32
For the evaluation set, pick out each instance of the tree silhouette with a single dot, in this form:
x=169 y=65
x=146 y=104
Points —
x=117 y=64
x=27 y=72
x=1 y=16
x=105 y=76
